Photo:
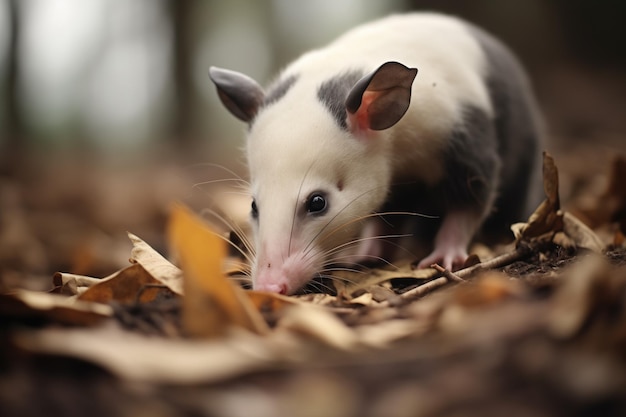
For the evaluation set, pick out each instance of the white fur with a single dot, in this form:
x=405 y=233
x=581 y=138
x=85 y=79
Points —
x=451 y=66
x=296 y=147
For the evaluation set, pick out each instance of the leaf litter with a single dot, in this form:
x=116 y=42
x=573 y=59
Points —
x=545 y=315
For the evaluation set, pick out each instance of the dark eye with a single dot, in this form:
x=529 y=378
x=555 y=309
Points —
x=316 y=204
x=254 y=210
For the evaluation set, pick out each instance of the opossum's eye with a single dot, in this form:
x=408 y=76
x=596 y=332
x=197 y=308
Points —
x=254 y=210
x=316 y=204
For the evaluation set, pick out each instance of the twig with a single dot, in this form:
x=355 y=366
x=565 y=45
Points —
x=502 y=260
x=497 y=262
x=447 y=273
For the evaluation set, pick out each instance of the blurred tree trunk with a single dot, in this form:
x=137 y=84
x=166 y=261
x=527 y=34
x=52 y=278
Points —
x=14 y=129
x=184 y=123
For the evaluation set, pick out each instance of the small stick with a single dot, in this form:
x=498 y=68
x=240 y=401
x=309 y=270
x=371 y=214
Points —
x=502 y=260
x=446 y=273
x=424 y=289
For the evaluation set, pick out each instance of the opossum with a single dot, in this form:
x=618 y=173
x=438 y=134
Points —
x=350 y=131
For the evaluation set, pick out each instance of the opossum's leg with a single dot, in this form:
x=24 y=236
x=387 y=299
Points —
x=452 y=240
x=469 y=187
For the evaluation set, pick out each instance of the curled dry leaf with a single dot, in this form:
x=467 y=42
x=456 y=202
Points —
x=128 y=285
x=151 y=274
x=156 y=265
x=547 y=218
x=72 y=284
x=212 y=304
x=52 y=307
x=582 y=235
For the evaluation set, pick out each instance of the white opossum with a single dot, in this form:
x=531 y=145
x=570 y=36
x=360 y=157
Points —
x=348 y=131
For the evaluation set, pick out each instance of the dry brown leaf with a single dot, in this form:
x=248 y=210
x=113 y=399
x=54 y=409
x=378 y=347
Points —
x=351 y=282
x=128 y=285
x=72 y=284
x=320 y=325
x=364 y=299
x=135 y=357
x=156 y=265
x=270 y=302
x=212 y=304
x=52 y=307
x=547 y=218
x=582 y=235
x=383 y=334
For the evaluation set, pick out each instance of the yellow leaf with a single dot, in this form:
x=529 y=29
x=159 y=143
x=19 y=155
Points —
x=212 y=304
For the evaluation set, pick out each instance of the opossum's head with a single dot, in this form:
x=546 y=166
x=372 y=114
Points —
x=319 y=164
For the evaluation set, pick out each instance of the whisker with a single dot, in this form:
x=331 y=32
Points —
x=245 y=193
x=365 y=239
x=334 y=278
x=222 y=167
x=372 y=257
x=372 y=215
x=295 y=208
x=342 y=269
x=320 y=285
x=231 y=225
x=217 y=181
x=335 y=216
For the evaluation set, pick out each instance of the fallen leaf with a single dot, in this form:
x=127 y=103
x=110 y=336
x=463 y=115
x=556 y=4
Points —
x=135 y=357
x=53 y=308
x=385 y=333
x=128 y=285
x=320 y=325
x=547 y=217
x=270 y=302
x=212 y=303
x=582 y=235
x=73 y=284
x=348 y=282
x=156 y=265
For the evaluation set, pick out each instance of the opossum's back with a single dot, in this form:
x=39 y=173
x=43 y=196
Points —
x=415 y=39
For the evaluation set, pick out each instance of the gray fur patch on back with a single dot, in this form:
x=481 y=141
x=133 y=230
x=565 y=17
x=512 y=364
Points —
x=333 y=93
x=518 y=130
x=278 y=89
x=471 y=162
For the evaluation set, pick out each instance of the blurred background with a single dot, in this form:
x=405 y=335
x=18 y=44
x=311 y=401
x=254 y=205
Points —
x=107 y=114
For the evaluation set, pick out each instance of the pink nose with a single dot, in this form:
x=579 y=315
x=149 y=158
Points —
x=275 y=288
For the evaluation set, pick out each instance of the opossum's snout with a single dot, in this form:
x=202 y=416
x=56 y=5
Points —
x=283 y=275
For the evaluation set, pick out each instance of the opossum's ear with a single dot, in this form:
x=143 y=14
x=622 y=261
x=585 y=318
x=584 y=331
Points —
x=380 y=99
x=240 y=94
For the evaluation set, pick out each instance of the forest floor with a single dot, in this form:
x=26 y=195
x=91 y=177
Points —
x=542 y=333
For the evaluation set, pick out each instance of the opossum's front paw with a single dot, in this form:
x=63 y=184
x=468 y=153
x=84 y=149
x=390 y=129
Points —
x=449 y=258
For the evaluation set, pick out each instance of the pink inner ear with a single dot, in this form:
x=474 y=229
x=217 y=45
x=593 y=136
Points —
x=360 y=121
